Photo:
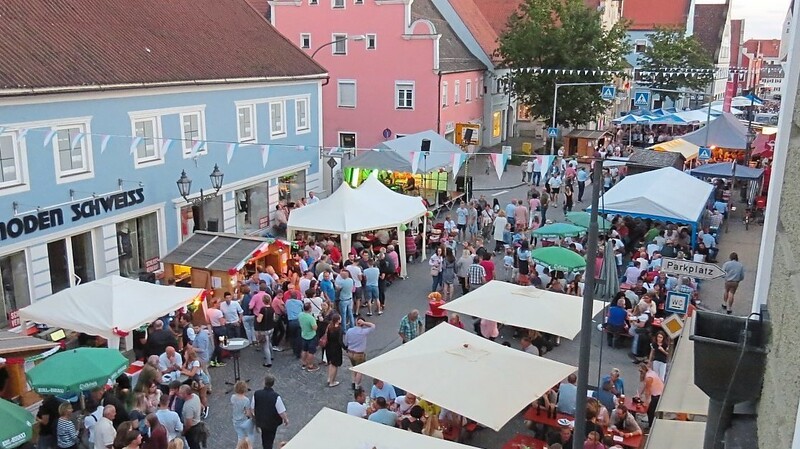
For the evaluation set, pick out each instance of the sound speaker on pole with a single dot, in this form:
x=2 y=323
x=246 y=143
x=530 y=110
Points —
x=468 y=136
x=425 y=147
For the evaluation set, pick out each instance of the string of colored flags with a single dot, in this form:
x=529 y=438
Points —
x=674 y=71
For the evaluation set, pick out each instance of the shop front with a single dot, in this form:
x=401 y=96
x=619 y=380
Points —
x=252 y=209
x=292 y=187
x=201 y=217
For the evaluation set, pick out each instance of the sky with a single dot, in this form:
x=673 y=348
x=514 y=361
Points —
x=763 y=18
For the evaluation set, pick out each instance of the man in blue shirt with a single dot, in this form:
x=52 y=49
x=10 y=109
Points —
x=326 y=285
x=582 y=177
x=616 y=322
x=510 y=209
x=381 y=389
x=345 y=286
x=294 y=307
x=568 y=395
x=617 y=385
x=382 y=414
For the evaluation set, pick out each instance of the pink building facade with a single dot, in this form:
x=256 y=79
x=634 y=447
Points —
x=396 y=68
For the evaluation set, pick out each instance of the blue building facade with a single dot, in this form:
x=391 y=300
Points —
x=88 y=179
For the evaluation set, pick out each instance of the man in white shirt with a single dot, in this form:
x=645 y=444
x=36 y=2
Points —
x=537 y=171
x=90 y=421
x=527 y=174
x=357 y=275
x=169 y=418
x=305 y=281
x=632 y=273
x=217 y=321
x=232 y=312
x=103 y=431
x=358 y=407
x=404 y=403
x=170 y=364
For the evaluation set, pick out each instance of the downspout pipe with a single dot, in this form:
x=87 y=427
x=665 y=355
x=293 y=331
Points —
x=439 y=109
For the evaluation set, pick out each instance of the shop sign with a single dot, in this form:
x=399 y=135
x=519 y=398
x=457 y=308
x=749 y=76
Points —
x=152 y=265
x=55 y=217
x=13 y=318
x=263 y=222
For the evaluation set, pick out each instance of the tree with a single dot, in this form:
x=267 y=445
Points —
x=671 y=60
x=568 y=38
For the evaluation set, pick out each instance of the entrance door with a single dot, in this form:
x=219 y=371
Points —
x=347 y=140
x=71 y=261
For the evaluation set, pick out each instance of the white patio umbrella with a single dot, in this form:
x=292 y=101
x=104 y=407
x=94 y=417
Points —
x=526 y=307
x=681 y=395
x=467 y=374
x=330 y=429
x=667 y=434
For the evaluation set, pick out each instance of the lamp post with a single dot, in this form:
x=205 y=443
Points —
x=357 y=37
x=185 y=186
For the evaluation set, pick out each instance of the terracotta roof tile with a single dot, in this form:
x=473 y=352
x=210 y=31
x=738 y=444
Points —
x=50 y=43
x=454 y=56
x=480 y=28
x=646 y=15
x=710 y=22
x=769 y=48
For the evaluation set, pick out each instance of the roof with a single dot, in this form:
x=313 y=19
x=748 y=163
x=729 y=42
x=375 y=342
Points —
x=214 y=251
x=646 y=15
x=725 y=131
x=477 y=24
x=115 y=43
x=710 y=20
x=12 y=342
x=725 y=170
x=454 y=56
x=586 y=134
x=768 y=48
x=652 y=158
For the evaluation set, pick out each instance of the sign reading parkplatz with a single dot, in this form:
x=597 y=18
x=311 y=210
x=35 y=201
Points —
x=700 y=270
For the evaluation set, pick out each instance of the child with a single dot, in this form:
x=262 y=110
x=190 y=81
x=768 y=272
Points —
x=508 y=263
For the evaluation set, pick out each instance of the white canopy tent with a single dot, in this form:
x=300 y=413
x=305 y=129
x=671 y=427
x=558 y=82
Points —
x=330 y=429
x=526 y=307
x=667 y=434
x=467 y=374
x=666 y=194
x=113 y=303
x=348 y=211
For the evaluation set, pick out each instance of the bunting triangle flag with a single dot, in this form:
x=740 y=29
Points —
x=499 y=161
x=415 y=156
x=264 y=155
x=135 y=143
x=166 y=144
x=196 y=147
x=22 y=133
x=47 y=139
x=458 y=159
x=231 y=148
x=77 y=140
x=104 y=143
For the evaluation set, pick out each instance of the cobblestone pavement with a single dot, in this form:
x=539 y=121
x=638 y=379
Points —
x=306 y=393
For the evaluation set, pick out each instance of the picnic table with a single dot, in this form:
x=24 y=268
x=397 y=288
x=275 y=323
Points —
x=530 y=415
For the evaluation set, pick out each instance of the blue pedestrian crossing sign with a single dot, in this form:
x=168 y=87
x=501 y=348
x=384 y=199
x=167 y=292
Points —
x=552 y=132
x=608 y=92
x=642 y=99
x=704 y=153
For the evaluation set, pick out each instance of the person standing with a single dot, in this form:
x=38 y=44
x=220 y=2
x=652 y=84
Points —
x=462 y=214
x=582 y=176
x=372 y=279
x=217 y=320
x=308 y=338
x=734 y=273
x=435 y=263
x=555 y=187
x=568 y=198
x=355 y=340
x=411 y=326
x=345 y=287
x=66 y=431
x=269 y=412
x=476 y=274
x=537 y=171
x=248 y=317
x=448 y=274
x=157 y=433
x=544 y=203
x=242 y=412
x=472 y=220
x=264 y=325
x=527 y=174
x=191 y=412
x=168 y=418
x=462 y=269
x=333 y=348
x=294 y=306
x=104 y=432
x=232 y=312
x=651 y=389
x=499 y=228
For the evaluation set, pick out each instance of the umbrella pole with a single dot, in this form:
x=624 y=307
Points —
x=586 y=317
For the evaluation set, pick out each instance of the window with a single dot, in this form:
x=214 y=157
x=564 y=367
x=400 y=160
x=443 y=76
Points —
x=347 y=94
x=147 y=129
x=340 y=44
x=10 y=161
x=457 y=93
x=372 y=40
x=193 y=128
x=497 y=123
x=347 y=140
x=252 y=209
x=468 y=91
x=358 y=2
x=137 y=244
x=71 y=146
x=313 y=2
x=404 y=94
x=14 y=287
x=246 y=122
x=305 y=40
x=337 y=4
x=302 y=111
x=640 y=46
x=479 y=88
x=277 y=119
x=444 y=94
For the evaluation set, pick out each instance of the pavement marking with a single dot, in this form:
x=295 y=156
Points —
x=500 y=192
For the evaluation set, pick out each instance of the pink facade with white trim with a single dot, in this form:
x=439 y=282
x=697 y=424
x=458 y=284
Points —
x=407 y=47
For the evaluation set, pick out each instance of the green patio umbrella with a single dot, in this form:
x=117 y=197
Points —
x=17 y=425
x=77 y=370
x=582 y=219
x=558 y=258
x=559 y=230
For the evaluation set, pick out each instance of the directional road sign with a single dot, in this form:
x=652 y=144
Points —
x=552 y=132
x=700 y=270
x=677 y=302
x=704 y=153
x=608 y=92
x=642 y=99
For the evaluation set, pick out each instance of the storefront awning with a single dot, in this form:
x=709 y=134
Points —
x=590 y=134
x=13 y=343
x=216 y=251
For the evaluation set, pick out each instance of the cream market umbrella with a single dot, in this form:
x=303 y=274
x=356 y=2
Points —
x=467 y=374
x=667 y=434
x=526 y=307
x=330 y=429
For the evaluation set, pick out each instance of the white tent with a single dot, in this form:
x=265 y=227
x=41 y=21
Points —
x=398 y=154
x=330 y=429
x=347 y=211
x=114 y=302
x=666 y=194
x=467 y=374
x=667 y=434
x=526 y=307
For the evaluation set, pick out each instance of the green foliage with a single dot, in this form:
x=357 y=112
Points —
x=561 y=34
x=671 y=48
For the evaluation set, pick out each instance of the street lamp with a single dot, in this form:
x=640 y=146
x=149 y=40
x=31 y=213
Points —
x=356 y=38
x=185 y=186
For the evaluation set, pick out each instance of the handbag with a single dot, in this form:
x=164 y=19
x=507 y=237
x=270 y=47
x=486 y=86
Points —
x=323 y=341
x=435 y=271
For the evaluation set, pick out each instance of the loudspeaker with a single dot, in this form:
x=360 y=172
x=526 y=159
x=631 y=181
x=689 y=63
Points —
x=464 y=186
x=425 y=147
x=213 y=226
x=468 y=136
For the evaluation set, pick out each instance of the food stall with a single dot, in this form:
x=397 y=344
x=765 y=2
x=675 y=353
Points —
x=582 y=142
x=16 y=352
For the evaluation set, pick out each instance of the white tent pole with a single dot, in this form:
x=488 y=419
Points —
x=401 y=243
x=425 y=236
x=346 y=245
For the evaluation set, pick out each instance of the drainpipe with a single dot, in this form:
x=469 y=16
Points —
x=439 y=109
x=327 y=80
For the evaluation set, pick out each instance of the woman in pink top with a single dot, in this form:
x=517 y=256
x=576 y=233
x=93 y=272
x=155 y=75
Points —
x=489 y=329
x=651 y=389
x=521 y=216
